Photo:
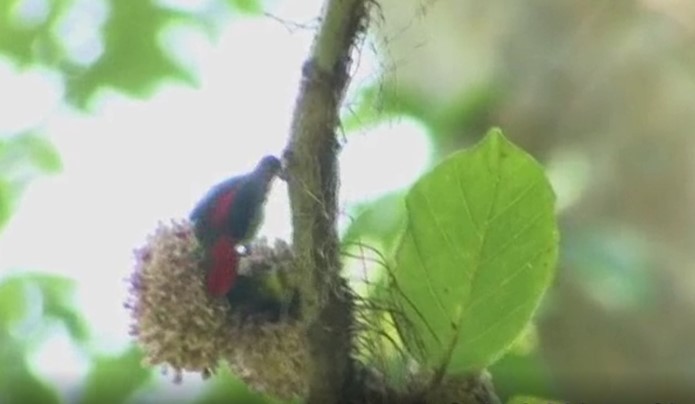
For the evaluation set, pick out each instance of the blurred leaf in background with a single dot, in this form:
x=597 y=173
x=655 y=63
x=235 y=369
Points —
x=31 y=304
x=133 y=60
x=119 y=45
x=380 y=221
x=225 y=386
x=117 y=377
x=22 y=158
x=25 y=31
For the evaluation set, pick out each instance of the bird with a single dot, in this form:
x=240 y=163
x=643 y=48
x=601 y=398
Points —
x=227 y=217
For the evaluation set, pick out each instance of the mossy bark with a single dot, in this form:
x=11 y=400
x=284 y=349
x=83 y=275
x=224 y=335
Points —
x=312 y=170
x=312 y=176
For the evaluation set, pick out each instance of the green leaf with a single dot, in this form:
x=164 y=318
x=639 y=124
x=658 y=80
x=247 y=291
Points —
x=113 y=379
x=18 y=384
x=58 y=293
x=14 y=40
x=379 y=102
x=225 y=388
x=31 y=42
x=247 y=6
x=13 y=303
x=26 y=154
x=40 y=152
x=382 y=219
x=527 y=374
x=527 y=341
x=5 y=202
x=25 y=387
x=22 y=157
x=531 y=400
x=477 y=255
x=133 y=61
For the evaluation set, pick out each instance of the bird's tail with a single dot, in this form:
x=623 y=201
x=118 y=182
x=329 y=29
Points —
x=224 y=265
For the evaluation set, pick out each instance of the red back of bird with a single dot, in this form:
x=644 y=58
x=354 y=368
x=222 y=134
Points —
x=230 y=214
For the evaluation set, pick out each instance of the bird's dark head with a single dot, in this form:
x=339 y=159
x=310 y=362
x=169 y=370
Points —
x=269 y=167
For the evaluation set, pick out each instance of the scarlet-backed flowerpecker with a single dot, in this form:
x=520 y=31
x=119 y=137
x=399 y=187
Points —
x=229 y=216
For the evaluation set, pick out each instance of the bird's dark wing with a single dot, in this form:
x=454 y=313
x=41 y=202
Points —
x=244 y=219
x=210 y=215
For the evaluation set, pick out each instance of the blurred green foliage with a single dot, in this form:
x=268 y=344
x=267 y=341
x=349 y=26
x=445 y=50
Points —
x=22 y=158
x=114 y=378
x=133 y=60
x=225 y=386
x=531 y=400
x=381 y=221
x=452 y=124
x=523 y=373
x=132 y=57
x=252 y=7
x=30 y=42
x=30 y=305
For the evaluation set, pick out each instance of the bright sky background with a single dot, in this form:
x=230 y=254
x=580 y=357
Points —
x=133 y=163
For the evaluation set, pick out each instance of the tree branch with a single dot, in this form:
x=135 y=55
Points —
x=312 y=170
x=312 y=176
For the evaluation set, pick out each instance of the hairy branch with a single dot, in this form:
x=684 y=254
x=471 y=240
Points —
x=312 y=174
x=311 y=158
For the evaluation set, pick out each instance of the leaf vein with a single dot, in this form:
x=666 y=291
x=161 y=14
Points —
x=497 y=322
x=423 y=268
x=499 y=252
x=453 y=250
x=466 y=203
x=526 y=265
x=517 y=199
x=474 y=276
